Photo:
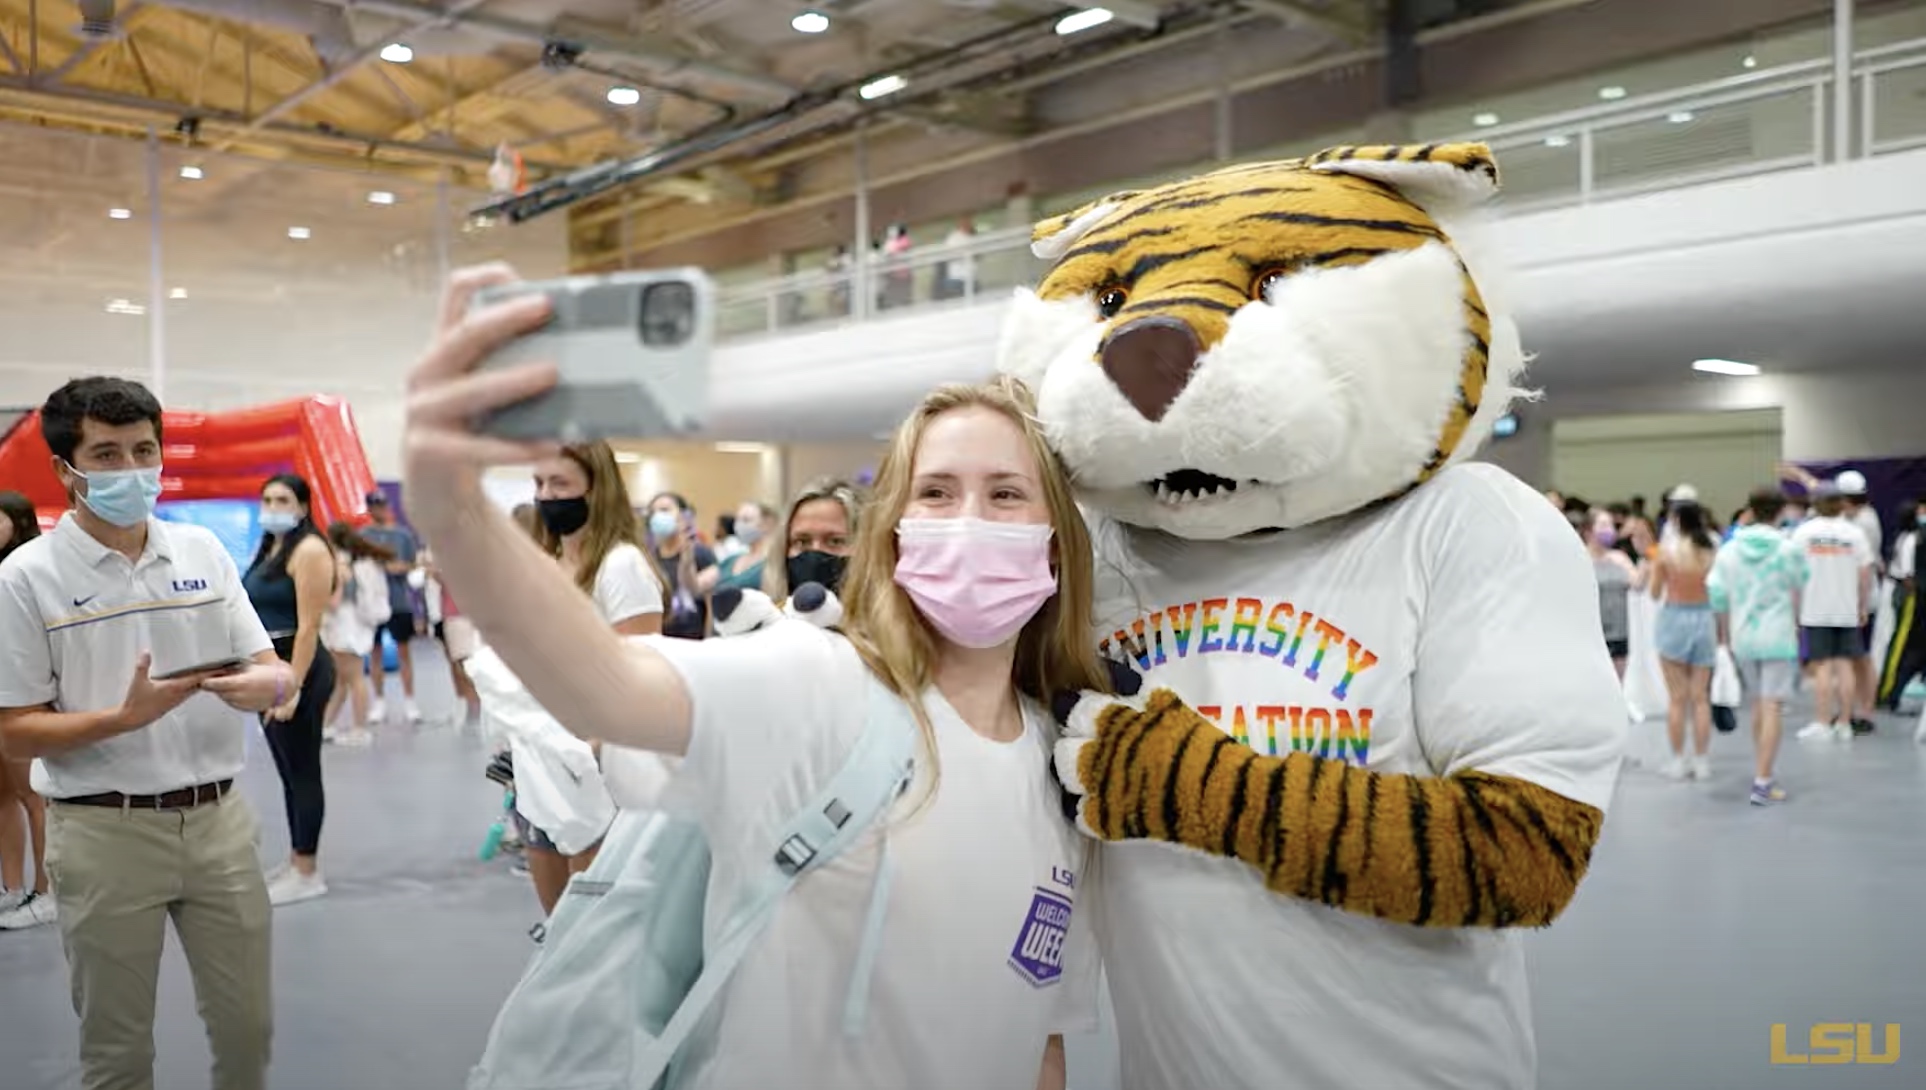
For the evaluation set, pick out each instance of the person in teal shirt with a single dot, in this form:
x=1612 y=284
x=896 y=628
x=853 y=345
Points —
x=1754 y=586
x=755 y=522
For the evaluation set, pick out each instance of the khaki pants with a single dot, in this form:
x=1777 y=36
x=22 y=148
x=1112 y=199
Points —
x=117 y=876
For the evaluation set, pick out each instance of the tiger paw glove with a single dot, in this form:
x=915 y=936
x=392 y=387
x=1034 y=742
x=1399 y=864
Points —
x=1470 y=850
x=1076 y=717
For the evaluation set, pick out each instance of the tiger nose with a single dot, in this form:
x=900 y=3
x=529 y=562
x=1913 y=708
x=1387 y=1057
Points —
x=1150 y=361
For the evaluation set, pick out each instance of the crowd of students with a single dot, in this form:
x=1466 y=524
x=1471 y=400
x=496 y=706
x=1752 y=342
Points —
x=1788 y=589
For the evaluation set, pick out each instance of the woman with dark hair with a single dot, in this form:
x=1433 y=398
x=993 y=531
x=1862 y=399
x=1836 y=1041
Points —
x=689 y=565
x=19 y=524
x=1686 y=633
x=356 y=613
x=291 y=583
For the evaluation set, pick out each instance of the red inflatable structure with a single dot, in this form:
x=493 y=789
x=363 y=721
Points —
x=224 y=456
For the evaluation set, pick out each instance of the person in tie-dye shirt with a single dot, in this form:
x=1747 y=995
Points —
x=1753 y=586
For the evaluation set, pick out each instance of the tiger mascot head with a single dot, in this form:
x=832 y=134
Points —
x=1267 y=345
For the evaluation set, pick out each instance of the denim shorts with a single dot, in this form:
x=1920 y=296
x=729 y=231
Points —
x=1687 y=634
x=531 y=836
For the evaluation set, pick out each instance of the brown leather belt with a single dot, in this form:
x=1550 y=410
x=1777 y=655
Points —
x=185 y=799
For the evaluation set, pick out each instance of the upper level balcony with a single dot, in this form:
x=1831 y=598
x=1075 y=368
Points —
x=1763 y=120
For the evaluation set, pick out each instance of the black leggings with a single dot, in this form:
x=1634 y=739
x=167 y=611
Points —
x=296 y=745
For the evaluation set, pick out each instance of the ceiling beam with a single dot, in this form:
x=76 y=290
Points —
x=663 y=62
x=1348 y=25
x=106 y=108
x=87 y=48
x=13 y=59
x=348 y=67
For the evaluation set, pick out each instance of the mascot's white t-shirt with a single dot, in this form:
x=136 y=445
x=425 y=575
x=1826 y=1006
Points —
x=1452 y=630
x=986 y=949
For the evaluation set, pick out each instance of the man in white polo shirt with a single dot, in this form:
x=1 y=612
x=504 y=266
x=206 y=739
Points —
x=140 y=765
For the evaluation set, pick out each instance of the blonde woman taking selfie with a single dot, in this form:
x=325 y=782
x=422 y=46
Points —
x=967 y=598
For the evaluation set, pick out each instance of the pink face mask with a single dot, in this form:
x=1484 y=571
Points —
x=978 y=583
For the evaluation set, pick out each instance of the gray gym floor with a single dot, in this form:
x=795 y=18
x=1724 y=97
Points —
x=1704 y=922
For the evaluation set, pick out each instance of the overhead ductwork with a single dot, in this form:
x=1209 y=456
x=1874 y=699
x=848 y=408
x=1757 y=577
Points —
x=327 y=28
x=97 y=19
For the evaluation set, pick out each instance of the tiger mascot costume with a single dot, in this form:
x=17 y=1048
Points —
x=1382 y=729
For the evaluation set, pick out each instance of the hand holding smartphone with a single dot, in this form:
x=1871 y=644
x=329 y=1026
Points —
x=632 y=353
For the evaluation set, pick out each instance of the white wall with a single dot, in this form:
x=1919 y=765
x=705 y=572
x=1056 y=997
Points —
x=259 y=316
x=1827 y=416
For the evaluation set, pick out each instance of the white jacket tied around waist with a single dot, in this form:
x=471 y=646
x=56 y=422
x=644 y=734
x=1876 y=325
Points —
x=559 y=786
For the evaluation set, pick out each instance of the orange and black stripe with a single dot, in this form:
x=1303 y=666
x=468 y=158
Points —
x=1472 y=850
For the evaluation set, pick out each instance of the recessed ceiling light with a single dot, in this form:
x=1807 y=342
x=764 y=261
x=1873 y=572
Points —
x=1558 y=140
x=396 y=53
x=177 y=293
x=120 y=214
x=1485 y=120
x=1725 y=367
x=381 y=196
x=1679 y=117
x=1749 y=62
x=1083 y=20
x=192 y=173
x=298 y=232
x=125 y=306
x=1611 y=94
x=888 y=85
x=810 y=22
x=624 y=96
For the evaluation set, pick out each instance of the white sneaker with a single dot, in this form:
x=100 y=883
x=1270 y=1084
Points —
x=295 y=887
x=414 y=713
x=1841 y=732
x=377 y=713
x=11 y=899
x=358 y=738
x=1700 y=767
x=1674 y=769
x=1815 y=731
x=277 y=873
x=36 y=910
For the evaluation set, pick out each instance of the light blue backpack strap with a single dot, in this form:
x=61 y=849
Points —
x=886 y=713
x=872 y=777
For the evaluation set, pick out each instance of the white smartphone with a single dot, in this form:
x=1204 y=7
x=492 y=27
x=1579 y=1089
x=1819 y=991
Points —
x=633 y=351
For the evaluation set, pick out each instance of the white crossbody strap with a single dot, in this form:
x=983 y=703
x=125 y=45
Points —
x=875 y=773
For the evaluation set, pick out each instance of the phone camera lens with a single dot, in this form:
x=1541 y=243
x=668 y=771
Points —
x=668 y=314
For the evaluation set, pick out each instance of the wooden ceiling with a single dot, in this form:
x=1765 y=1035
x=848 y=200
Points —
x=305 y=80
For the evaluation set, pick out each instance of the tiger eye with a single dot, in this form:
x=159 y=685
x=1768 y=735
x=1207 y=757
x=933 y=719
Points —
x=1266 y=280
x=1111 y=300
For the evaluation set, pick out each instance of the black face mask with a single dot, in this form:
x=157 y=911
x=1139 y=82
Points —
x=816 y=567
x=563 y=517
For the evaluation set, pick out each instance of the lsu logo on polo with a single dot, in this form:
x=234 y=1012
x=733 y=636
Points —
x=1038 y=954
x=189 y=586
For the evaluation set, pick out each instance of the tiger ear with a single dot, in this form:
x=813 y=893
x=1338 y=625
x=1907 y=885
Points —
x=1052 y=238
x=1436 y=177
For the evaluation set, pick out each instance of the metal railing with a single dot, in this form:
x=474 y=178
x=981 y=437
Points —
x=1760 y=122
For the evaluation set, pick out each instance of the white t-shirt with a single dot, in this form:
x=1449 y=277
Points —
x=964 y=995
x=1836 y=553
x=1867 y=520
x=625 y=587
x=1454 y=630
x=74 y=618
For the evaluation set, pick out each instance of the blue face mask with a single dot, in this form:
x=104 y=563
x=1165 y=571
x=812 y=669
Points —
x=123 y=497
x=663 y=524
x=279 y=522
